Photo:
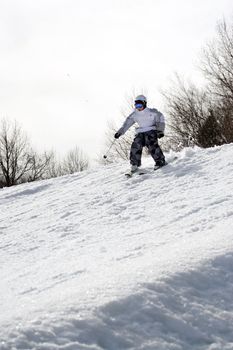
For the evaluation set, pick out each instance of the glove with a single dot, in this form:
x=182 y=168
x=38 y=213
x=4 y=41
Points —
x=160 y=134
x=117 y=135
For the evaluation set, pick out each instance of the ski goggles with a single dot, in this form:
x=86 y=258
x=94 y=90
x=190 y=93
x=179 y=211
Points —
x=138 y=104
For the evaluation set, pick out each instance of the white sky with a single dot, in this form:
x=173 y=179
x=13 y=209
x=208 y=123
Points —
x=67 y=65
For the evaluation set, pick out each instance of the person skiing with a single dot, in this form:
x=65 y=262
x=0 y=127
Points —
x=151 y=125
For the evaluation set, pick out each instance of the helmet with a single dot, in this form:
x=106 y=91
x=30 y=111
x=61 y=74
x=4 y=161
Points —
x=141 y=98
x=140 y=101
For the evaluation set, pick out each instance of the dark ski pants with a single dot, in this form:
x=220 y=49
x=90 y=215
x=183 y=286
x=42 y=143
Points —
x=150 y=140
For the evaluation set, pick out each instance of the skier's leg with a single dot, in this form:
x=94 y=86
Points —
x=136 y=150
x=154 y=149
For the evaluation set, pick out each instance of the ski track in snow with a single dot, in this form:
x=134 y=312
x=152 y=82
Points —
x=97 y=261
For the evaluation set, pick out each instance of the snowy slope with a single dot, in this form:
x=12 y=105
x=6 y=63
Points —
x=97 y=261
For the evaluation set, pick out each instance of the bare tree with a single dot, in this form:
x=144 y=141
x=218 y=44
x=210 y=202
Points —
x=217 y=62
x=210 y=134
x=74 y=161
x=40 y=165
x=19 y=163
x=204 y=117
x=15 y=159
x=217 y=66
x=54 y=168
x=225 y=112
x=188 y=108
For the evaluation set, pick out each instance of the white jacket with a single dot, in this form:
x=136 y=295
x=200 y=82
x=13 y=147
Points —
x=147 y=119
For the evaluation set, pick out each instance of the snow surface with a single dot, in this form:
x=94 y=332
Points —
x=98 y=261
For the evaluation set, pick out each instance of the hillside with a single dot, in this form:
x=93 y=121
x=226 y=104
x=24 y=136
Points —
x=97 y=261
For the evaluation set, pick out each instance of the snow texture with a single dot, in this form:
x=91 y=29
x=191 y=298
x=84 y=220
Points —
x=97 y=261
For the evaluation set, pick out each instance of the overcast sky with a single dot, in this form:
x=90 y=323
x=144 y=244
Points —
x=68 y=65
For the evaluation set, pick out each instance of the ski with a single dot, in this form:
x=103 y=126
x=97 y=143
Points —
x=157 y=167
x=130 y=173
x=144 y=172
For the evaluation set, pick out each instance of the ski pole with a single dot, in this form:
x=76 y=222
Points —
x=106 y=154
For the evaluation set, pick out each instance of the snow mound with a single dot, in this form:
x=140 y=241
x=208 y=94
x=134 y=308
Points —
x=97 y=261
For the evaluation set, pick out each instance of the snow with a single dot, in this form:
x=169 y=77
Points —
x=98 y=261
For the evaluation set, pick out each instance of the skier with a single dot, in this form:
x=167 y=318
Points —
x=151 y=127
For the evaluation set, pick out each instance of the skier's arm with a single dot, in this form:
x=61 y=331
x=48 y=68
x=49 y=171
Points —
x=159 y=120
x=127 y=124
